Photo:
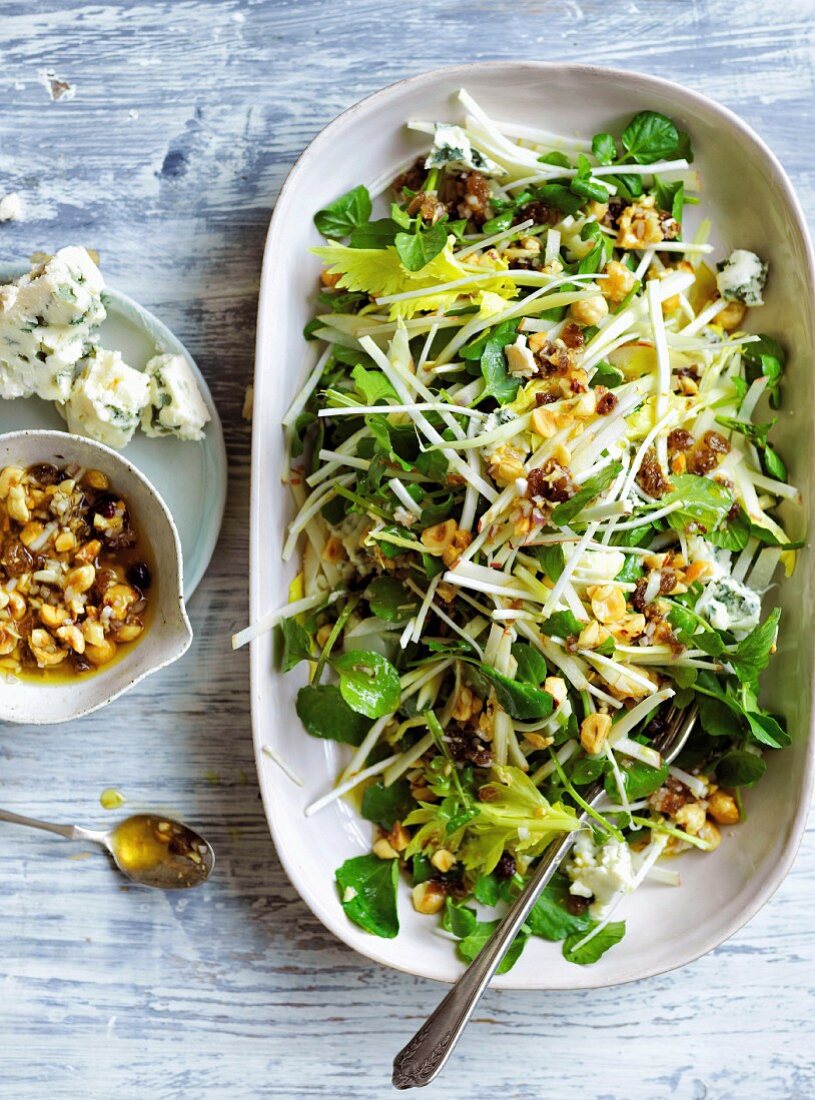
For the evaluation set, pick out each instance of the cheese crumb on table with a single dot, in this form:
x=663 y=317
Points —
x=107 y=399
x=11 y=207
x=175 y=407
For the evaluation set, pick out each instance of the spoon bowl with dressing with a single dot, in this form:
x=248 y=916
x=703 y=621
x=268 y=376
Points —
x=149 y=849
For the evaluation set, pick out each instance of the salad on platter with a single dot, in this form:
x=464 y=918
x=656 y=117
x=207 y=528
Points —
x=537 y=506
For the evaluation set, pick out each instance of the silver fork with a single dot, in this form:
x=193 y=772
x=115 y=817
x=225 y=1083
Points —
x=418 y=1063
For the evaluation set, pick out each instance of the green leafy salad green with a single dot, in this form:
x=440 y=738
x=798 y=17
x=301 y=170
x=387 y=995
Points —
x=536 y=507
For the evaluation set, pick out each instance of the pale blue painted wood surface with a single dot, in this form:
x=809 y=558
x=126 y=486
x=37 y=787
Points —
x=187 y=115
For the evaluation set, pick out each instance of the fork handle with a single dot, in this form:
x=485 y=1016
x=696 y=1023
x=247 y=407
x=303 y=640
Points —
x=425 y=1055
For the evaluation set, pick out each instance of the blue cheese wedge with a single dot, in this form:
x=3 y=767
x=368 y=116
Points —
x=452 y=149
x=741 y=277
x=46 y=319
x=727 y=604
x=107 y=399
x=175 y=406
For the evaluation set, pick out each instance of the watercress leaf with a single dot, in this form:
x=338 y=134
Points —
x=558 y=159
x=767 y=730
x=566 y=512
x=550 y=918
x=587 y=770
x=562 y=624
x=740 y=385
x=390 y=600
x=324 y=713
x=764 y=347
x=335 y=511
x=684 y=677
x=449 y=649
x=739 y=768
x=342 y=216
x=368 y=682
x=773 y=464
x=757 y=433
x=458 y=227
x=595 y=948
x=709 y=641
x=628 y=185
x=608 y=376
x=387 y=805
x=531 y=664
x=506 y=331
x=295 y=644
x=499 y=222
x=487 y=889
x=753 y=652
x=460 y=920
x=670 y=197
x=415 y=250
x=640 y=779
x=376 y=234
x=717 y=718
x=682 y=620
x=768 y=538
x=704 y=503
x=552 y=559
x=766 y=357
x=649 y=137
x=367 y=888
x=422 y=869
x=400 y=216
x=631 y=571
x=594 y=260
x=604 y=148
x=500 y=383
x=432 y=464
x=684 y=149
x=560 y=197
x=519 y=700
x=372 y=385
x=733 y=534
x=470 y=947
x=589 y=189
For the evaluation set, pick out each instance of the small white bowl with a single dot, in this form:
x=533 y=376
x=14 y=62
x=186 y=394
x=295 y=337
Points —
x=168 y=635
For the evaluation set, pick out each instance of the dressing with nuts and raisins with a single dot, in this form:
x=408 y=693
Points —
x=74 y=575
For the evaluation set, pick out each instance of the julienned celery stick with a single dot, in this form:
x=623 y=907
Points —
x=546 y=513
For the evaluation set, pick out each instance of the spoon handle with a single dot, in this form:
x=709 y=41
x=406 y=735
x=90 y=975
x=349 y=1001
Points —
x=426 y=1053
x=70 y=832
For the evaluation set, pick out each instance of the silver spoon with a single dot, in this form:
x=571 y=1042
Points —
x=418 y=1063
x=149 y=849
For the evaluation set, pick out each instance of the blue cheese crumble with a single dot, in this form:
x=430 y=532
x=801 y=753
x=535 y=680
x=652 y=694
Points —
x=46 y=318
x=107 y=399
x=175 y=406
x=599 y=872
x=727 y=604
x=741 y=277
x=452 y=149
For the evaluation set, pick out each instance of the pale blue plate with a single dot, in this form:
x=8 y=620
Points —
x=190 y=476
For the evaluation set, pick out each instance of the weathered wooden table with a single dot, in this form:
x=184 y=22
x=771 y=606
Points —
x=186 y=115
